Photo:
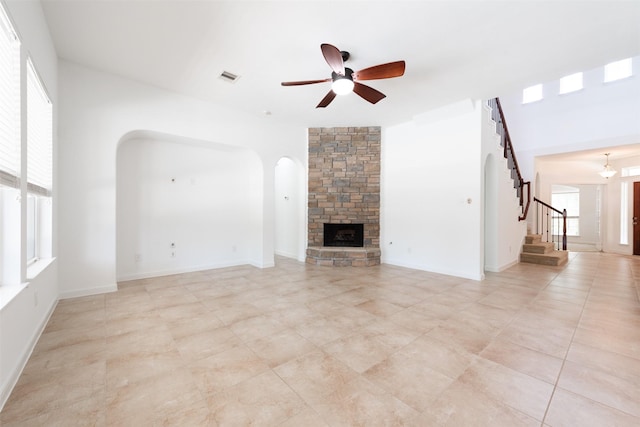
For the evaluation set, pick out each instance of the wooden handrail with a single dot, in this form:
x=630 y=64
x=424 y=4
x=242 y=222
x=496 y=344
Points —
x=564 y=222
x=510 y=155
x=535 y=199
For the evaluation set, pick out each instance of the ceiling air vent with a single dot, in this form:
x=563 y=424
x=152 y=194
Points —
x=229 y=77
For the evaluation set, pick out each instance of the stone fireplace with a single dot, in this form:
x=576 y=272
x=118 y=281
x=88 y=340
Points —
x=344 y=196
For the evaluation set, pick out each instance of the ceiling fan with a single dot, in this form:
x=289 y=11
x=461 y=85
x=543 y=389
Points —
x=345 y=80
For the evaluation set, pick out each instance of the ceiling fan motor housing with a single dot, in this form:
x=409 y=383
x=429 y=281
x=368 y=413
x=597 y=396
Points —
x=348 y=74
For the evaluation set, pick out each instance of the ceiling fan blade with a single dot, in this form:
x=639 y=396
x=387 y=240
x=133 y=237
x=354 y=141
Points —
x=304 y=82
x=327 y=99
x=333 y=56
x=368 y=93
x=382 y=71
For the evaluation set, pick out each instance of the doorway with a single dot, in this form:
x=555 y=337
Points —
x=636 y=218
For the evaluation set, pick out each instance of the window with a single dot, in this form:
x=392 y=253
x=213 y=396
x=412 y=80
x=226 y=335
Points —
x=532 y=94
x=10 y=210
x=630 y=171
x=25 y=181
x=624 y=213
x=39 y=167
x=571 y=83
x=9 y=103
x=618 y=70
x=566 y=197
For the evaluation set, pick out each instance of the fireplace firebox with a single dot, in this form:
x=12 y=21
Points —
x=349 y=235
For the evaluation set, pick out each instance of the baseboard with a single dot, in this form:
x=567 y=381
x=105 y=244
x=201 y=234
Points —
x=430 y=269
x=262 y=264
x=287 y=254
x=160 y=273
x=89 y=291
x=7 y=388
x=498 y=269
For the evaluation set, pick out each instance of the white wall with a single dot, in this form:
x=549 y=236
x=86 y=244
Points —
x=96 y=111
x=290 y=220
x=503 y=231
x=183 y=206
x=600 y=115
x=431 y=195
x=23 y=318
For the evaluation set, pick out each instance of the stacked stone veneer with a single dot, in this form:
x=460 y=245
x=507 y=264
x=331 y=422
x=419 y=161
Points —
x=344 y=187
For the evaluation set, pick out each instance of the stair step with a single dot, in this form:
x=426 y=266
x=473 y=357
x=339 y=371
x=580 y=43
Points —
x=532 y=238
x=538 y=248
x=555 y=258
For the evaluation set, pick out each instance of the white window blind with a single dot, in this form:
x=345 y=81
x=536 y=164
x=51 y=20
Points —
x=39 y=135
x=9 y=102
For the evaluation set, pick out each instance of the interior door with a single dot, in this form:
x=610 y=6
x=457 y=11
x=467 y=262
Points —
x=636 y=218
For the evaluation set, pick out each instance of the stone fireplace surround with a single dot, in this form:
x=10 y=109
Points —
x=344 y=188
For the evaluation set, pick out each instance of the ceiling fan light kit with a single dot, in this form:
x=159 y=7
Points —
x=342 y=85
x=345 y=80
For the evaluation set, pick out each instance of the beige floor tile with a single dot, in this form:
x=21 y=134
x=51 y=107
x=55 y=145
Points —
x=411 y=380
x=207 y=343
x=534 y=363
x=156 y=399
x=86 y=412
x=262 y=400
x=141 y=342
x=361 y=403
x=82 y=319
x=359 y=351
x=615 y=364
x=315 y=375
x=321 y=330
x=222 y=370
x=568 y=410
x=519 y=391
x=133 y=322
x=473 y=336
x=605 y=340
x=554 y=342
x=256 y=327
x=307 y=418
x=281 y=347
x=81 y=354
x=309 y=345
x=415 y=320
x=379 y=308
x=36 y=394
x=464 y=405
x=595 y=384
x=186 y=327
x=131 y=367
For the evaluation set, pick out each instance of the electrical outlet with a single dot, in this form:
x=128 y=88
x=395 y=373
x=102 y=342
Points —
x=173 y=254
x=138 y=257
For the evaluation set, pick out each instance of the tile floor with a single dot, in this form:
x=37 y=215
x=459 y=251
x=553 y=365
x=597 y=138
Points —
x=299 y=345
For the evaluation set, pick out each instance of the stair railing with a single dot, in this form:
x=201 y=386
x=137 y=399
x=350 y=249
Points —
x=546 y=221
x=505 y=141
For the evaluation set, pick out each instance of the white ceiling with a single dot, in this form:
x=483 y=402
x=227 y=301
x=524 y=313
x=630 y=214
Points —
x=453 y=49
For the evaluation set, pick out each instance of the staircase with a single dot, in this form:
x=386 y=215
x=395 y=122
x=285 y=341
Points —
x=535 y=251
